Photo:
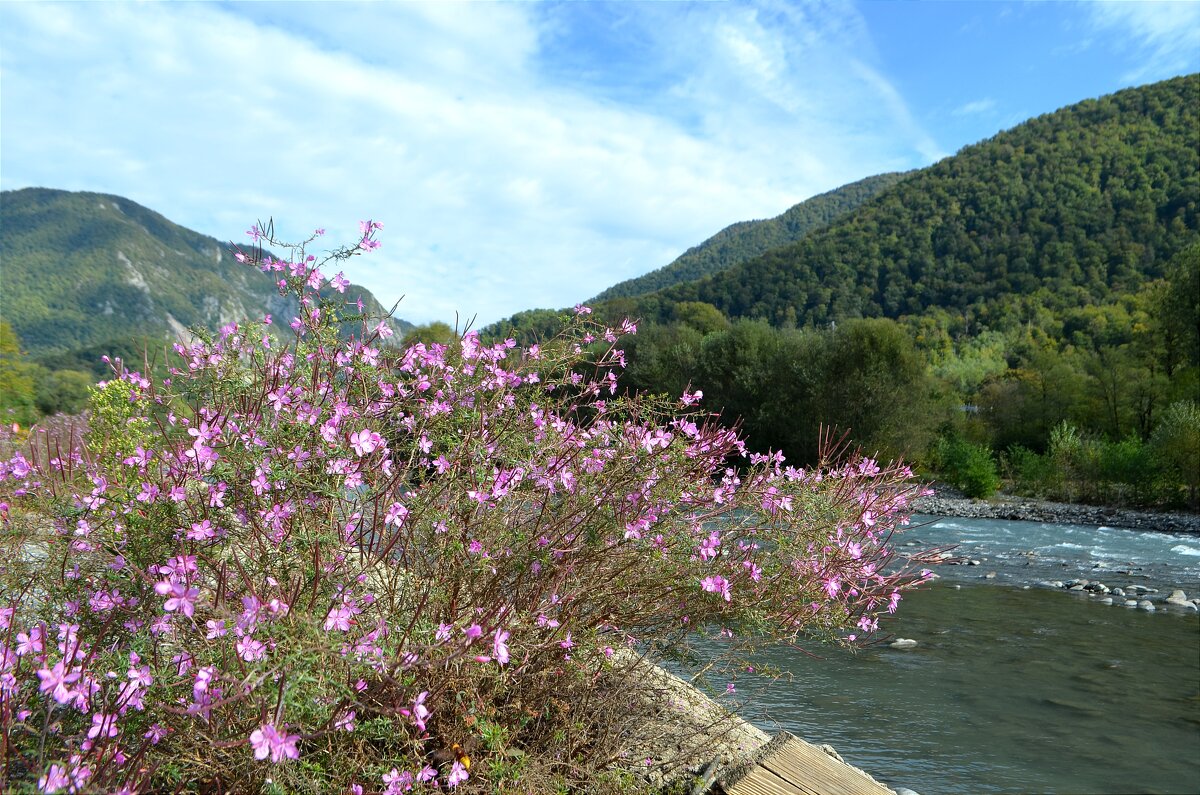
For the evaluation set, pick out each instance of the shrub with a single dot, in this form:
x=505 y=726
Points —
x=1032 y=474
x=1176 y=445
x=968 y=467
x=321 y=564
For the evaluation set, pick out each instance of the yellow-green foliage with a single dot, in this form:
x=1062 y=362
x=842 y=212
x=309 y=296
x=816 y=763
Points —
x=118 y=423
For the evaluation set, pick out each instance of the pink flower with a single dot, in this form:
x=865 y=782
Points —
x=201 y=531
x=251 y=650
x=458 y=774
x=365 y=441
x=419 y=711
x=397 y=781
x=396 y=514
x=500 y=646
x=180 y=597
x=57 y=681
x=717 y=584
x=102 y=726
x=266 y=740
x=54 y=780
x=339 y=282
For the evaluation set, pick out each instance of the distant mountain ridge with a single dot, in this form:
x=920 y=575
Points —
x=1067 y=209
x=80 y=269
x=746 y=240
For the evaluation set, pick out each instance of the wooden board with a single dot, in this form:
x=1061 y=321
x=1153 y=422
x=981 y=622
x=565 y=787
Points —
x=794 y=767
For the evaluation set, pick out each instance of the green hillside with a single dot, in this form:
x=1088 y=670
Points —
x=745 y=240
x=84 y=270
x=1062 y=211
x=1029 y=308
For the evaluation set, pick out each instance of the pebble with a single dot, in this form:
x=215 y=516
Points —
x=1130 y=596
x=903 y=643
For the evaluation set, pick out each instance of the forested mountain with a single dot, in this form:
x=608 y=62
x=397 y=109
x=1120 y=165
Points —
x=88 y=270
x=745 y=240
x=1030 y=306
x=1065 y=210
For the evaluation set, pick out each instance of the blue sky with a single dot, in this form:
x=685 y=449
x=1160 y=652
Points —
x=530 y=155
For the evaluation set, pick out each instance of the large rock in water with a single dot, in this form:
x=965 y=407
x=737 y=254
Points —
x=1178 y=597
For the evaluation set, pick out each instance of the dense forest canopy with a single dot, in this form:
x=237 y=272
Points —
x=1062 y=211
x=748 y=239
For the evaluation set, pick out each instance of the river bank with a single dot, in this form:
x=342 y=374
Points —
x=946 y=501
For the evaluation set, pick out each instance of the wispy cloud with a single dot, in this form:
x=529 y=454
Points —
x=513 y=168
x=1166 y=34
x=890 y=97
x=975 y=108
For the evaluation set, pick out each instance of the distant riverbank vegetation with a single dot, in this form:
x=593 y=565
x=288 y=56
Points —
x=1092 y=404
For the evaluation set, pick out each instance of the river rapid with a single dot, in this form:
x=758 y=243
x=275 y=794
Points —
x=1014 y=687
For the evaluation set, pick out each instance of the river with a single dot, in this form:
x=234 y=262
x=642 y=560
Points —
x=1014 y=688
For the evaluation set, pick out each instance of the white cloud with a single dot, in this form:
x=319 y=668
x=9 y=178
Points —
x=975 y=108
x=1167 y=34
x=504 y=184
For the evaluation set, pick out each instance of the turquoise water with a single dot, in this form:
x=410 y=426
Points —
x=1025 y=552
x=1010 y=690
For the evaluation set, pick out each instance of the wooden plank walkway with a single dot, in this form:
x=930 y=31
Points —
x=789 y=766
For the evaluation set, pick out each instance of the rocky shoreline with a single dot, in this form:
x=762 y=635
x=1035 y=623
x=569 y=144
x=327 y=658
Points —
x=1135 y=596
x=945 y=501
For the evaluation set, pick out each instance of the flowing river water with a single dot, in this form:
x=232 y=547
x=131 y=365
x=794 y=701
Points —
x=1014 y=687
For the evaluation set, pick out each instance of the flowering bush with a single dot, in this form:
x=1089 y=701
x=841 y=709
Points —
x=324 y=564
